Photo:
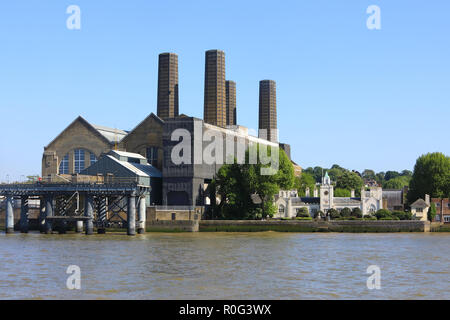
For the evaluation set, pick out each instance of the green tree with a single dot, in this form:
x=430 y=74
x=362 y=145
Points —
x=239 y=185
x=369 y=174
x=431 y=176
x=350 y=180
x=357 y=213
x=391 y=175
x=432 y=212
x=339 y=192
x=397 y=183
x=346 y=212
x=303 y=212
x=334 y=214
x=306 y=180
x=383 y=213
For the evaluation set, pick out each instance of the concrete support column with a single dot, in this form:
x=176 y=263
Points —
x=142 y=215
x=101 y=221
x=79 y=226
x=41 y=219
x=89 y=212
x=9 y=215
x=24 y=215
x=48 y=213
x=131 y=216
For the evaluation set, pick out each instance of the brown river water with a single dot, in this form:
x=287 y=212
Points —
x=266 y=265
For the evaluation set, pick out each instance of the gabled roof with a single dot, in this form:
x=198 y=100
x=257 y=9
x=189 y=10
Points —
x=420 y=203
x=111 y=134
x=102 y=132
x=151 y=115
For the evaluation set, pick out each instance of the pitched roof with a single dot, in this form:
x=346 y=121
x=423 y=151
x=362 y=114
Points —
x=111 y=134
x=420 y=203
x=151 y=115
x=102 y=132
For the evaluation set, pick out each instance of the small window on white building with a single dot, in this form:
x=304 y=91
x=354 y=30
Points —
x=281 y=209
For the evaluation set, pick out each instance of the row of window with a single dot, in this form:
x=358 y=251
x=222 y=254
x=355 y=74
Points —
x=80 y=156
x=79 y=161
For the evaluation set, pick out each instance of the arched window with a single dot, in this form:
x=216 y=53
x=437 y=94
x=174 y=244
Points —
x=93 y=158
x=372 y=209
x=79 y=164
x=281 y=209
x=64 y=165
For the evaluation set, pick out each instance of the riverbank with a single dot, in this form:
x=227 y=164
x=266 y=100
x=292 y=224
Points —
x=344 y=226
x=313 y=226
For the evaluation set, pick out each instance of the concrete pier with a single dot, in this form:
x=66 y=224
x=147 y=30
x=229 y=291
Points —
x=48 y=213
x=41 y=219
x=24 y=215
x=89 y=212
x=79 y=226
x=141 y=215
x=131 y=216
x=9 y=215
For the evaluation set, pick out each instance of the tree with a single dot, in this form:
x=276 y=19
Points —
x=368 y=174
x=402 y=215
x=338 y=192
x=391 y=175
x=303 y=212
x=432 y=212
x=346 y=212
x=334 y=214
x=236 y=184
x=383 y=213
x=350 y=180
x=357 y=213
x=406 y=173
x=397 y=183
x=431 y=176
x=379 y=177
x=306 y=180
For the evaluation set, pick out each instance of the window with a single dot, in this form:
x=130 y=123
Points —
x=438 y=204
x=93 y=158
x=281 y=209
x=79 y=160
x=446 y=218
x=437 y=218
x=64 y=165
x=420 y=210
x=152 y=156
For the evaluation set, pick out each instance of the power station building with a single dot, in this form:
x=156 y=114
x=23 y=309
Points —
x=157 y=139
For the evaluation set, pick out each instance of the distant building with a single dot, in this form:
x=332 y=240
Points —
x=268 y=110
x=289 y=203
x=167 y=106
x=129 y=167
x=215 y=93
x=420 y=207
x=442 y=209
x=394 y=199
x=78 y=146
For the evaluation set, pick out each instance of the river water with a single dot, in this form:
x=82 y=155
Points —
x=266 y=265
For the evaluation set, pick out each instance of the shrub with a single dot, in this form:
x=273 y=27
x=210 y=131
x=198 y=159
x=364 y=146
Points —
x=334 y=214
x=370 y=218
x=303 y=218
x=383 y=213
x=402 y=215
x=357 y=213
x=303 y=212
x=346 y=212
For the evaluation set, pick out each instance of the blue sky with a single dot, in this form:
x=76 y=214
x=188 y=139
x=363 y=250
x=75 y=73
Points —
x=348 y=95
